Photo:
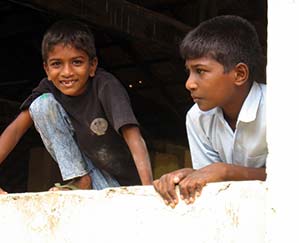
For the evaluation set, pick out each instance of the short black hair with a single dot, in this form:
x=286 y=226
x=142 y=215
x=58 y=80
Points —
x=229 y=40
x=69 y=32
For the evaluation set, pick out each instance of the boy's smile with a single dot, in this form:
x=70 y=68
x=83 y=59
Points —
x=69 y=69
x=208 y=84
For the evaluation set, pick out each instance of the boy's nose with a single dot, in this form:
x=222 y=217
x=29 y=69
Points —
x=67 y=70
x=190 y=84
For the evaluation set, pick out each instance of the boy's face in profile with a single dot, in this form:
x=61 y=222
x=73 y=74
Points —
x=69 y=69
x=209 y=86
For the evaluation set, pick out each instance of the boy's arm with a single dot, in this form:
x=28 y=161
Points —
x=191 y=181
x=12 y=134
x=139 y=152
x=192 y=184
x=242 y=173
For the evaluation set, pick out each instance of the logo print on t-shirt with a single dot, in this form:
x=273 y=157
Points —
x=99 y=126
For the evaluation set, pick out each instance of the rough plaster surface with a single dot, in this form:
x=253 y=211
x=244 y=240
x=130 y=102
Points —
x=231 y=212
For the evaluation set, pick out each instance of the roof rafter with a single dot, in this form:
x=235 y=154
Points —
x=117 y=15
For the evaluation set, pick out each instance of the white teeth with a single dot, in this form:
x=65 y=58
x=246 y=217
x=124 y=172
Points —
x=67 y=83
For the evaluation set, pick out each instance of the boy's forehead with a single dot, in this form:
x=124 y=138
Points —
x=62 y=49
x=68 y=47
x=62 y=45
x=202 y=60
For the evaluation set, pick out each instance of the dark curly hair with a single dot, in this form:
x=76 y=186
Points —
x=69 y=32
x=227 y=39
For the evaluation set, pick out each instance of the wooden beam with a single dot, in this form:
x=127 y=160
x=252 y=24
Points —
x=159 y=3
x=119 y=16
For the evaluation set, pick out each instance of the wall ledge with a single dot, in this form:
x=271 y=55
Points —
x=225 y=212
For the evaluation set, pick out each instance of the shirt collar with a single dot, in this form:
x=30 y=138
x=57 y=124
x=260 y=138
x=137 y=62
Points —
x=249 y=109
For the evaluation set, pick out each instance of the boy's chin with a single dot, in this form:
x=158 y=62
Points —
x=69 y=93
x=204 y=108
x=72 y=92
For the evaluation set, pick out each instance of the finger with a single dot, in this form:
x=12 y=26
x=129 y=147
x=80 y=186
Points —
x=166 y=189
x=198 y=190
x=173 y=197
x=169 y=190
x=158 y=187
x=181 y=174
x=176 y=180
x=156 y=184
x=191 y=193
x=184 y=194
x=188 y=190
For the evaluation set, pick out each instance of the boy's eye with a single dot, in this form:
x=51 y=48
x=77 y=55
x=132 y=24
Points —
x=55 y=64
x=77 y=62
x=200 y=71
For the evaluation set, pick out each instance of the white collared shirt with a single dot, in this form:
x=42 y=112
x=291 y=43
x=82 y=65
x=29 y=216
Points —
x=211 y=139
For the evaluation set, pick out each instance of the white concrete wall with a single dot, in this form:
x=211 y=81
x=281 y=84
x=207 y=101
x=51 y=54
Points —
x=283 y=120
x=225 y=212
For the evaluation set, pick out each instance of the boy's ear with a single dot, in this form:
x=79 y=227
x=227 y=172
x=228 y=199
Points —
x=241 y=73
x=93 y=67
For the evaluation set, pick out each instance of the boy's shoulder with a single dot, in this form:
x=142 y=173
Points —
x=103 y=76
x=254 y=104
x=263 y=88
x=256 y=93
x=195 y=114
x=104 y=81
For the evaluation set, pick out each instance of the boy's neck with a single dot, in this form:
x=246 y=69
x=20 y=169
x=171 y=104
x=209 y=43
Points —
x=231 y=113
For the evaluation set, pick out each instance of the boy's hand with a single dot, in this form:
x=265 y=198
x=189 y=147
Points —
x=191 y=186
x=2 y=191
x=165 y=186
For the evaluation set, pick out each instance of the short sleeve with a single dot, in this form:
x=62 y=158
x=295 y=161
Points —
x=116 y=102
x=43 y=87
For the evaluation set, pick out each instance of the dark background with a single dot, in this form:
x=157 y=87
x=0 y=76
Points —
x=136 y=40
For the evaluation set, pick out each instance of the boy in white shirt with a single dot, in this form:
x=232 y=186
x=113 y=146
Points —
x=226 y=127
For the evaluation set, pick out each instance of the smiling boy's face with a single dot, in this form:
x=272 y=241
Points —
x=69 y=69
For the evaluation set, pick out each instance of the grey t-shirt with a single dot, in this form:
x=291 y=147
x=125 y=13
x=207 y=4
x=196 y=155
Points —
x=97 y=116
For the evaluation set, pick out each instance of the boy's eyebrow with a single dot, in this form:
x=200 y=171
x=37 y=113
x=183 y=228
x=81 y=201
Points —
x=78 y=57
x=194 y=65
x=55 y=59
